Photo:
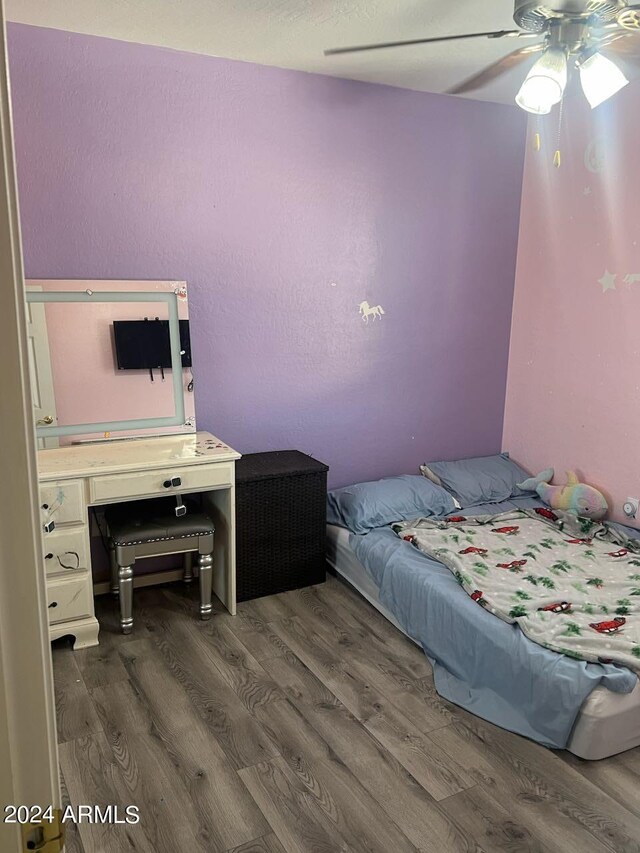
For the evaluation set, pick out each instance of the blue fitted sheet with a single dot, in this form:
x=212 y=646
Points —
x=480 y=662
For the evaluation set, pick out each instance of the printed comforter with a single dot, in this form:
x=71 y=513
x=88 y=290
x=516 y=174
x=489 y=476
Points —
x=571 y=584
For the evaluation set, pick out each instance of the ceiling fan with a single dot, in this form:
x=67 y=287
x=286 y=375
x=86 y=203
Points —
x=573 y=32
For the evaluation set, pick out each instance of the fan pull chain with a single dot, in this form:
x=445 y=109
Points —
x=557 y=157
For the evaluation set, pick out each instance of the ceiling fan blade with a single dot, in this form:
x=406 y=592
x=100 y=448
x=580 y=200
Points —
x=626 y=49
x=491 y=72
x=497 y=34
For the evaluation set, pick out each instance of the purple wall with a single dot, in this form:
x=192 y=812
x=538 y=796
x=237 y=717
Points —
x=286 y=199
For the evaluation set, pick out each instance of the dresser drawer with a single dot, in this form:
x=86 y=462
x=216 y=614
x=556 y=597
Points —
x=63 y=502
x=69 y=599
x=192 y=478
x=66 y=551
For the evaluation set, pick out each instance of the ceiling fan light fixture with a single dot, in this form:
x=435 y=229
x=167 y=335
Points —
x=545 y=84
x=601 y=78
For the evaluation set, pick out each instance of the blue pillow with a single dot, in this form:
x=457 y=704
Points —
x=484 y=479
x=367 y=505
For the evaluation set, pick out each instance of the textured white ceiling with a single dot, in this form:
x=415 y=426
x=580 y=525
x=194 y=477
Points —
x=293 y=34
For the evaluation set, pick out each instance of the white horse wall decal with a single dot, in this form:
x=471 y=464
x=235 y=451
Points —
x=632 y=278
x=370 y=311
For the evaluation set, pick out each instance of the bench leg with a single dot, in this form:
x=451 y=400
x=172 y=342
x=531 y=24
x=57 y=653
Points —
x=205 y=565
x=115 y=586
x=188 y=567
x=125 y=584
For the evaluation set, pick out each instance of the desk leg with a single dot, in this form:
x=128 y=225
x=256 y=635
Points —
x=221 y=504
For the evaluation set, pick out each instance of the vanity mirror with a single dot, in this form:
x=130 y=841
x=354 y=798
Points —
x=109 y=357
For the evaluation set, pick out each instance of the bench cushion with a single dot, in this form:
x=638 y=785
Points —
x=140 y=522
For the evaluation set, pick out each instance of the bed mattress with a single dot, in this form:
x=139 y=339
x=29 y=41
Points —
x=608 y=723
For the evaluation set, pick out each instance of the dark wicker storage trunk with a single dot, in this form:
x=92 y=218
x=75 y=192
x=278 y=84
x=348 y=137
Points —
x=280 y=522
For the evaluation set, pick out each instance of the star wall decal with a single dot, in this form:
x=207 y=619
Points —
x=608 y=281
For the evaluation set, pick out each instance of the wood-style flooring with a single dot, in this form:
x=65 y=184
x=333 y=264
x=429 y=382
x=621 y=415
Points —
x=307 y=723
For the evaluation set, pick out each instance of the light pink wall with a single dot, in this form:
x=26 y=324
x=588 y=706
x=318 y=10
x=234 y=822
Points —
x=88 y=387
x=573 y=389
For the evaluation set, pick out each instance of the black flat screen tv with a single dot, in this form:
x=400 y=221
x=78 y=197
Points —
x=145 y=344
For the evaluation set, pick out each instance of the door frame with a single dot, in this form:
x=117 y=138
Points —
x=40 y=369
x=28 y=750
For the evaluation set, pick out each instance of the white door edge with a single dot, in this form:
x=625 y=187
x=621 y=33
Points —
x=28 y=751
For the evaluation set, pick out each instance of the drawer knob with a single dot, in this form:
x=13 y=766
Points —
x=45 y=506
x=53 y=604
x=172 y=483
x=48 y=556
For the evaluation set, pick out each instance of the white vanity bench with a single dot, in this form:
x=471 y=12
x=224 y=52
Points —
x=76 y=477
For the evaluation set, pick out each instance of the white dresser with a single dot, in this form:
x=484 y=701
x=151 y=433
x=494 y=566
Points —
x=75 y=478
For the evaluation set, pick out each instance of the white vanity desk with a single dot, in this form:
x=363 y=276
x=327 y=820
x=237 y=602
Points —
x=74 y=478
